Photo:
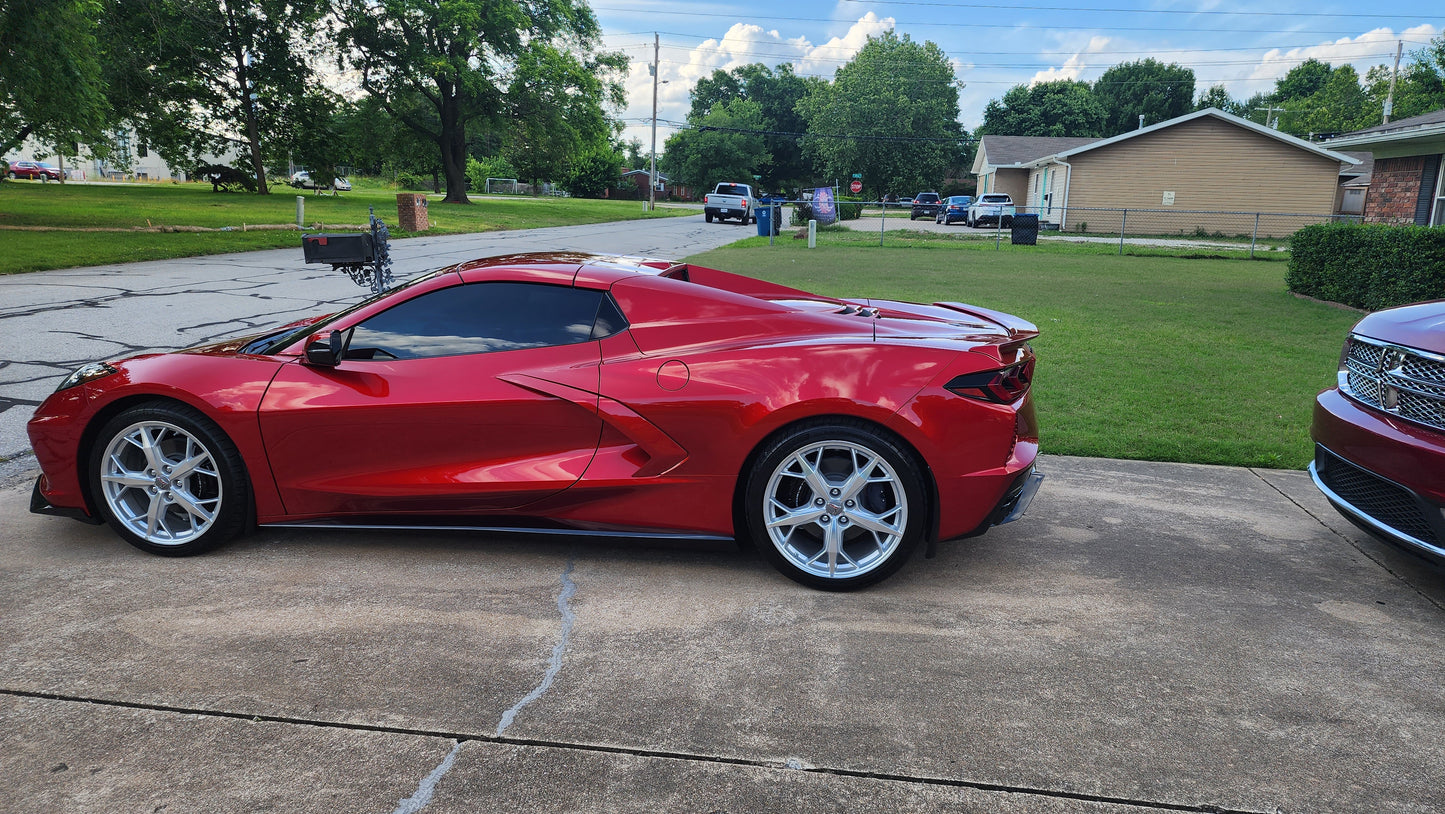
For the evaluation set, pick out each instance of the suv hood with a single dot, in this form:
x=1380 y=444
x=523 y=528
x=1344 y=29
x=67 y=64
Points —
x=1421 y=325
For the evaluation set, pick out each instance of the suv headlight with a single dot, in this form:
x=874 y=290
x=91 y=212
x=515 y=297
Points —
x=86 y=373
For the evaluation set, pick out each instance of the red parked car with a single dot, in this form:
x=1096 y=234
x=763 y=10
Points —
x=569 y=393
x=1380 y=433
x=33 y=170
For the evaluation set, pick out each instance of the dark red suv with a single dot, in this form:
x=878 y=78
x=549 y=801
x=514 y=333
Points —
x=1380 y=432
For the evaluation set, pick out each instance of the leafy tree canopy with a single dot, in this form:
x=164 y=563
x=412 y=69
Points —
x=198 y=76
x=1147 y=87
x=1060 y=108
x=51 y=84
x=722 y=145
x=777 y=92
x=895 y=104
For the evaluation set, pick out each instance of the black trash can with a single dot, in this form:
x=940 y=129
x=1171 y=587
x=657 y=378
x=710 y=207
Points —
x=1025 y=231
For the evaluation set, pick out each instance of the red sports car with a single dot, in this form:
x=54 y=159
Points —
x=576 y=394
x=1380 y=433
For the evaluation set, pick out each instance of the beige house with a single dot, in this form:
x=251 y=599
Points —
x=1205 y=172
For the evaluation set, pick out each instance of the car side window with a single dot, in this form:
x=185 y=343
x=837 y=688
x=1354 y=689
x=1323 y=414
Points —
x=485 y=318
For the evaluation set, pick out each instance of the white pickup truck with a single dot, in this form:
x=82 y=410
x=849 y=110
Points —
x=995 y=208
x=730 y=201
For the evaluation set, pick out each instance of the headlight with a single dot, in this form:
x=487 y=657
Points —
x=87 y=373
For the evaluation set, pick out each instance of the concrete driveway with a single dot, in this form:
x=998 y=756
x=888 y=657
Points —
x=1151 y=637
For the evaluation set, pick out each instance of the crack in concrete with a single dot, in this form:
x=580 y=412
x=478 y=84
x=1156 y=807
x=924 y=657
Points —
x=424 y=790
x=555 y=665
x=1356 y=546
x=692 y=757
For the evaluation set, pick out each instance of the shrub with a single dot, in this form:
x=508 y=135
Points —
x=223 y=178
x=410 y=180
x=848 y=209
x=1368 y=266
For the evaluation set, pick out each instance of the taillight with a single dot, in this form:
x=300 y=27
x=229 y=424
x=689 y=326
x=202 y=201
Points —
x=706 y=199
x=998 y=386
x=745 y=201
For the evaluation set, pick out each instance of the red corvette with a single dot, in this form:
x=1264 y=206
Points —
x=573 y=394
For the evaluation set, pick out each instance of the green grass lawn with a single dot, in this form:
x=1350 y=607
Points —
x=1145 y=357
x=140 y=205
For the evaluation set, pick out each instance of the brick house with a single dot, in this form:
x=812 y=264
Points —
x=1406 y=184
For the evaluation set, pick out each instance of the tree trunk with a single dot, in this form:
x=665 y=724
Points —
x=453 y=145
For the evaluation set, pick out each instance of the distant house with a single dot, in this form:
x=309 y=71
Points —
x=637 y=180
x=1202 y=163
x=1406 y=185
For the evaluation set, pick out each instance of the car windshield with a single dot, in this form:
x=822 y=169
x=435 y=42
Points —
x=280 y=341
x=994 y=199
x=731 y=189
x=958 y=199
x=927 y=197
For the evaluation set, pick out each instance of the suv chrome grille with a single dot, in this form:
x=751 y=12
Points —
x=1406 y=382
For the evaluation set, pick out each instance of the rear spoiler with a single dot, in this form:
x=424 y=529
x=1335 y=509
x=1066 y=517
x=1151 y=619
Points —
x=1019 y=330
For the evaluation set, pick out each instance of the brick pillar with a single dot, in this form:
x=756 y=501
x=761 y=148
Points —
x=411 y=212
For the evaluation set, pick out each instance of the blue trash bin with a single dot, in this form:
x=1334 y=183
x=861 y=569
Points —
x=765 y=219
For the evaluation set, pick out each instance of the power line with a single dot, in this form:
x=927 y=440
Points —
x=1191 y=29
x=1094 y=10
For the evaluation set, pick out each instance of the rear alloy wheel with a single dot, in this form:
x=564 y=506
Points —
x=168 y=480
x=836 y=506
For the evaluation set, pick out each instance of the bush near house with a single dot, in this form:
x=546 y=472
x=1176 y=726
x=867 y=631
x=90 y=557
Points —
x=1370 y=266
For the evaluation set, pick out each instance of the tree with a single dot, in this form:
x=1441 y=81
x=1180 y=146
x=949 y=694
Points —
x=196 y=76
x=1060 y=108
x=777 y=94
x=890 y=114
x=723 y=145
x=1149 y=88
x=1340 y=105
x=1420 y=88
x=319 y=143
x=458 y=56
x=593 y=170
x=1218 y=97
x=1303 y=81
x=51 y=84
x=555 y=103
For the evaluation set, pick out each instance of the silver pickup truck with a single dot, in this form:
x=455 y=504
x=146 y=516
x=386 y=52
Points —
x=994 y=208
x=730 y=201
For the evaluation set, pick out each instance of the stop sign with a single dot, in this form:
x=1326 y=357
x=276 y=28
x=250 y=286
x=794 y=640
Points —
x=855 y=187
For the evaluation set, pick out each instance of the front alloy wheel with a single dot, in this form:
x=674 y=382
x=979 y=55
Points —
x=168 y=480
x=836 y=507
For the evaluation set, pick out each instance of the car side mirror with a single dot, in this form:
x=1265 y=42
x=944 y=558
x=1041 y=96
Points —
x=327 y=351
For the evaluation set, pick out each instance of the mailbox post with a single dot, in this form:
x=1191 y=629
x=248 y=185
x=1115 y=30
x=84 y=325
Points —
x=364 y=256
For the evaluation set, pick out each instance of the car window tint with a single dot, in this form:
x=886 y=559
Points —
x=479 y=318
x=730 y=189
x=609 y=319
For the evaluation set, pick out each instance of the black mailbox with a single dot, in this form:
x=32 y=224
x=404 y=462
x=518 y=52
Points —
x=346 y=248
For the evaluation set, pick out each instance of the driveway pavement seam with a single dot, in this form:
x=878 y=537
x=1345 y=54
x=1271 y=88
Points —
x=1353 y=544
x=462 y=738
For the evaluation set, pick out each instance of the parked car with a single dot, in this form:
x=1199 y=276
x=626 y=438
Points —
x=994 y=208
x=954 y=209
x=925 y=205
x=302 y=180
x=576 y=393
x=1380 y=431
x=33 y=170
x=728 y=200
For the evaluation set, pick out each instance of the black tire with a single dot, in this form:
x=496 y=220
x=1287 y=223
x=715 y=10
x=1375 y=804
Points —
x=217 y=486
x=12 y=176
x=899 y=502
x=1005 y=222
x=707 y=216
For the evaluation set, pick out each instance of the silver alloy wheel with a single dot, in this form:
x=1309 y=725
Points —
x=161 y=482
x=835 y=509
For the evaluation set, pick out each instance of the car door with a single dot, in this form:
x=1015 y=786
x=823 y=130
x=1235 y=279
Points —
x=478 y=397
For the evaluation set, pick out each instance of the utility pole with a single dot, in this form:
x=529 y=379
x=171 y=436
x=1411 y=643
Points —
x=1390 y=97
x=1269 y=112
x=652 y=174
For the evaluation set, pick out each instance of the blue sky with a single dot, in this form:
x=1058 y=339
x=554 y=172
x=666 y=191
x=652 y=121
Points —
x=995 y=45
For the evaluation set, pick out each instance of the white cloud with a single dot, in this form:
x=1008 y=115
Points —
x=1372 y=48
x=1074 y=65
x=743 y=44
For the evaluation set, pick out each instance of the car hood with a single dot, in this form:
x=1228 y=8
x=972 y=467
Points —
x=1421 y=325
x=232 y=346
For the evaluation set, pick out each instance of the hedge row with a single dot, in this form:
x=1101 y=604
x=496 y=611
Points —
x=1368 y=266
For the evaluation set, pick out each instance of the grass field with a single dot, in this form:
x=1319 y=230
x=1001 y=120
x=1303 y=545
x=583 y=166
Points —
x=128 y=206
x=1153 y=358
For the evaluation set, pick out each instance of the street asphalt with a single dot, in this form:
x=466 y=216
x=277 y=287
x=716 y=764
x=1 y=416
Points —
x=1149 y=637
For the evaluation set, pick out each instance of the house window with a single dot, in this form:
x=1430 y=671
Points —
x=140 y=150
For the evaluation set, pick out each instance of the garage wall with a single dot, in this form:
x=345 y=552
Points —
x=1208 y=164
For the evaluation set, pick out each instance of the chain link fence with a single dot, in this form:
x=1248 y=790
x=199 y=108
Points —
x=1164 y=227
